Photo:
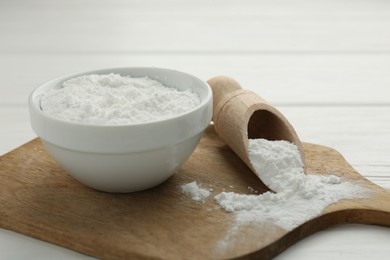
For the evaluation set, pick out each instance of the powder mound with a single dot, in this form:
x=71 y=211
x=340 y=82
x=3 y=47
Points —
x=286 y=209
x=196 y=192
x=112 y=99
x=298 y=197
x=277 y=163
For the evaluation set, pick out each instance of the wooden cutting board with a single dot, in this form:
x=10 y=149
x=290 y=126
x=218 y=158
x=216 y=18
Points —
x=38 y=199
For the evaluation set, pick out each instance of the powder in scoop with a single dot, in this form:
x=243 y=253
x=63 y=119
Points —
x=112 y=99
x=277 y=163
x=298 y=197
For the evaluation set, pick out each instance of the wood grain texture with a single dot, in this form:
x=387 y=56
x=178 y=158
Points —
x=197 y=26
x=293 y=79
x=39 y=199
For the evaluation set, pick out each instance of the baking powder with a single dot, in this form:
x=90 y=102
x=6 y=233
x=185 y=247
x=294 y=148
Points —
x=194 y=190
x=297 y=197
x=112 y=99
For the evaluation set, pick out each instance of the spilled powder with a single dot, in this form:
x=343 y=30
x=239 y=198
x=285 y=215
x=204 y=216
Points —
x=296 y=197
x=194 y=190
x=112 y=99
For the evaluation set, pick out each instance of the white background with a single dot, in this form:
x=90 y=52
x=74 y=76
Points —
x=324 y=64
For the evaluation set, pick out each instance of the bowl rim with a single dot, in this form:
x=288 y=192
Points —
x=121 y=138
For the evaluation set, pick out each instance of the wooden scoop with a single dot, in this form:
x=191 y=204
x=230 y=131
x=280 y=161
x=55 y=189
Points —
x=240 y=115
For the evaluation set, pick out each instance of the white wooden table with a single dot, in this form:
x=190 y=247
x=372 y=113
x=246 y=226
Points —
x=324 y=64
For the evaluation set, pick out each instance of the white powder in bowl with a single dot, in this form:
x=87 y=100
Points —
x=112 y=99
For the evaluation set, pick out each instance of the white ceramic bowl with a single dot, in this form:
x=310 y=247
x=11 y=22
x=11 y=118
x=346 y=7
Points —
x=124 y=158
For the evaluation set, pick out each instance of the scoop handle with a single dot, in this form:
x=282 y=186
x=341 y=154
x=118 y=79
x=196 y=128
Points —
x=222 y=86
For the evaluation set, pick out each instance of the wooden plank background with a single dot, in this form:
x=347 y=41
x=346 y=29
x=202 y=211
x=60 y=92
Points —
x=324 y=64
